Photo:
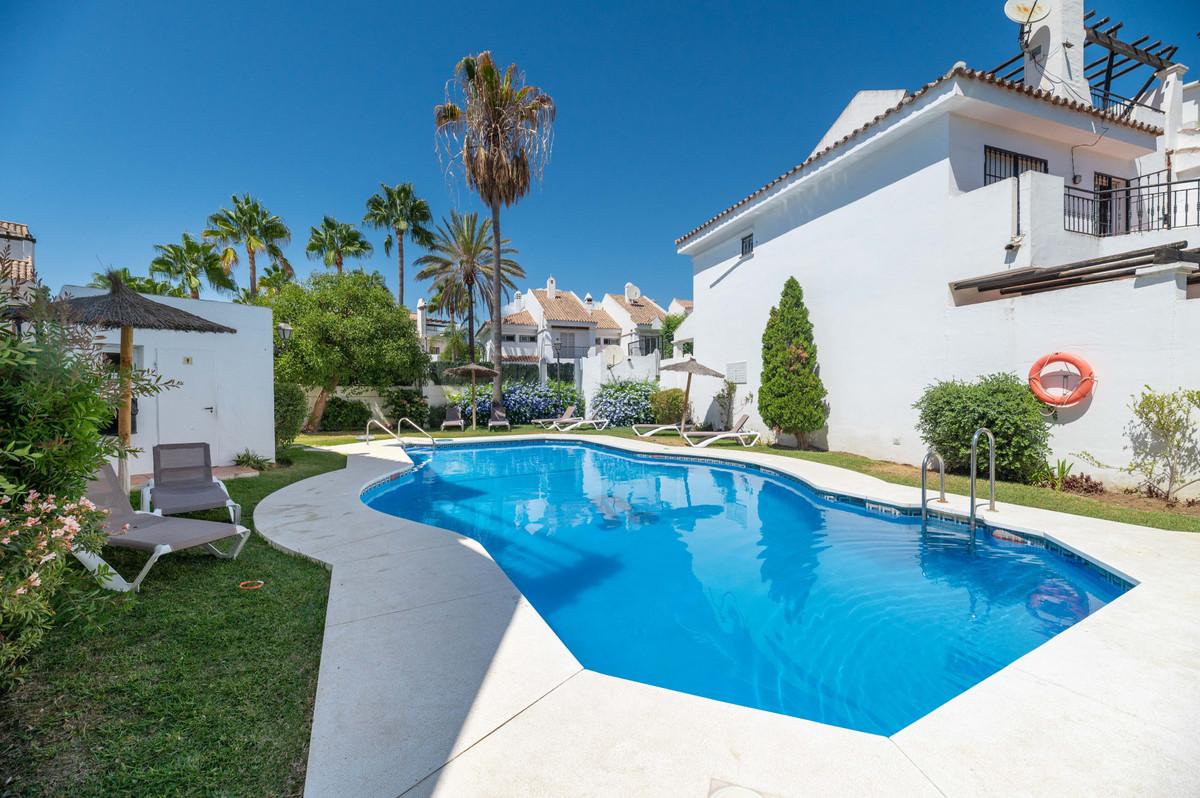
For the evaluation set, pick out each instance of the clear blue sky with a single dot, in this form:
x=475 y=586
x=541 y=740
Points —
x=128 y=123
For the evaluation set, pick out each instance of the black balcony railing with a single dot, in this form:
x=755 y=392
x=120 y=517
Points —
x=1132 y=209
x=645 y=346
x=570 y=352
x=1116 y=104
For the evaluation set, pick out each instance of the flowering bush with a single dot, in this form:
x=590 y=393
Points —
x=523 y=401
x=625 y=402
x=37 y=536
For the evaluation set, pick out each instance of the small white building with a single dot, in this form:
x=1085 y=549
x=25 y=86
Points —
x=640 y=319
x=226 y=391
x=431 y=331
x=680 y=307
x=925 y=229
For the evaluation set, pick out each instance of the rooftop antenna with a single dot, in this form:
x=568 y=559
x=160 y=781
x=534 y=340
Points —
x=1025 y=13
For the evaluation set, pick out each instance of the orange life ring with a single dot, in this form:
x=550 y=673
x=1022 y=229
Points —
x=1087 y=379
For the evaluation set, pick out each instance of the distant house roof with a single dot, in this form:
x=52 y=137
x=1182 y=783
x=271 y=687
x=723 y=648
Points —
x=564 y=307
x=686 y=303
x=603 y=320
x=642 y=311
x=15 y=230
x=521 y=319
x=521 y=358
x=959 y=71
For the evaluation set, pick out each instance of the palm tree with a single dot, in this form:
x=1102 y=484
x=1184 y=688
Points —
x=334 y=241
x=274 y=279
x=501 y=131
x=143 y=285
x=460 y=263
x=191 y=262
x=250 y=225
x=399 y=210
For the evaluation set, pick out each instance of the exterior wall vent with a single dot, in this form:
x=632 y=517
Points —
x=736 y=372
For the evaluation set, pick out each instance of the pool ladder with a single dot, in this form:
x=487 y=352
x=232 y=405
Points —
x=399 y=423
x=932 y=456
x=971 y=523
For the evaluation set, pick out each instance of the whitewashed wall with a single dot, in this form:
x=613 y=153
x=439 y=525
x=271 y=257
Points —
x=874 y=248
x=593 y=372
x=233 y=374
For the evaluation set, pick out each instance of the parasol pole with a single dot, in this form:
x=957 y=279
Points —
x=687 y=391
x=125 y=414
x=474 y=403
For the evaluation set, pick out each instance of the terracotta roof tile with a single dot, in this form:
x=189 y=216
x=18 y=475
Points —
x=603 y=320
x=957 y=71
x=564 y=307
x=521 y=318
x=19 y=270
x=521 y=358
x=642 y=311
x=687 y=303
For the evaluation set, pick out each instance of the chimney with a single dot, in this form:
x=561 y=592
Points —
x=421 y=317
x=1054 y=52
x=517 y=299
x=587 y=300
x=551 y=288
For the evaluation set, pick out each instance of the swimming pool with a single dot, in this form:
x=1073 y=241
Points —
x=744 y=585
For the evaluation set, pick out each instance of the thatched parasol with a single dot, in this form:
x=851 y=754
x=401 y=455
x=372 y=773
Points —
x=690 y=366
x=124 y=308
x=474 y=371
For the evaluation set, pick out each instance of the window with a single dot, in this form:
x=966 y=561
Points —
x=1001 y=164
x=736 y=372
x=508 y=339
x=435 y=350
x=747 y=245
x=612 y=341
x=527 y=339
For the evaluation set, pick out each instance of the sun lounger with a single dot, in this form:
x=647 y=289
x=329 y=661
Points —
x=547 y=423
x=499 y=419
x=184 y=482
x=454 y=419
x=701 y=439
x=650 y=430
x=148 y=532
x=579 y=423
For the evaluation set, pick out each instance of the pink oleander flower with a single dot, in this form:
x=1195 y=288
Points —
x=86 y=503
x=31 y=522
x=47 y=558
x=5 y=540
x=5 y=499
x=20 y=591
x=35 y=580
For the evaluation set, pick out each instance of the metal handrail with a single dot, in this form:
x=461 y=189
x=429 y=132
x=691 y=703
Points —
x=383 y=427
x=932 y=455
x=991 y=473
x=414 y=425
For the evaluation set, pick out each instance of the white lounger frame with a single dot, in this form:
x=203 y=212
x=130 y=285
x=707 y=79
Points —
x=654 y=429
x=594 y=423
x=110 y=579
x=709 y=437
x=235 y=509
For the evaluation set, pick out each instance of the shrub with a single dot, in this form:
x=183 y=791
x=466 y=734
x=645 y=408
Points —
x=437 y=414
x=249 y=459
x=667 y=406
x=671 y=323
x=792 y=396
x=951 y=411
x=409 y=403
x=523 y=401
x=290 y=411
x=343 y=415
x=1163 y=441
x=1081 y=483
x=625 y=402
x=726 y=398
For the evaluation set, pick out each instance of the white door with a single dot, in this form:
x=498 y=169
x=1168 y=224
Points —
x=189 y=411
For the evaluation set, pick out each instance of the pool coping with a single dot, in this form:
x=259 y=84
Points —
x=1103 y=707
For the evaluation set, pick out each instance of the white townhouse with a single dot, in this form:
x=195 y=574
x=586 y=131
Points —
x=972 y=226
x=431 y=331
x=640 y=319
x=551 y=326
x=680 y=307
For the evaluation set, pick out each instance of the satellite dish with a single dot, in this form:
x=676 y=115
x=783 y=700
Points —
x=1025 y=12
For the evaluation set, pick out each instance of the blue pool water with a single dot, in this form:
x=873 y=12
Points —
x=743 y=585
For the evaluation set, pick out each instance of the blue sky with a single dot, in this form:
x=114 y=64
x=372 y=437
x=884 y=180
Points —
x=128 y=123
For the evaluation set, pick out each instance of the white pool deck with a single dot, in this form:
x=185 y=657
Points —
x=438 y=678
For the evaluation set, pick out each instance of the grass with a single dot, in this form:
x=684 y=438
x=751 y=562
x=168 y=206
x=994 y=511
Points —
x=197 y=688
x=1111 y=505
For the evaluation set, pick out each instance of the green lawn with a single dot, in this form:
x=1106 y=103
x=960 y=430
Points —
x=1111 y=505
x=198 y=689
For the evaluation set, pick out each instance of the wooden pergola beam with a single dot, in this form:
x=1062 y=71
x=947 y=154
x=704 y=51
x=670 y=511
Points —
x=1105 y=39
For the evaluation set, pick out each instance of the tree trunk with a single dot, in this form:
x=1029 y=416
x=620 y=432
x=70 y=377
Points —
x=337 y=261
x=253 y=271
x=497 y=355
x=471 y=321
x=314 y=418
x=400 y=267
x=125 y=414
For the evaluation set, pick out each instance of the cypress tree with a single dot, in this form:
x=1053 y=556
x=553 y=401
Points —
x=792 y=397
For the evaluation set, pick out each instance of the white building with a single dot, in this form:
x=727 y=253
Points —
x=910 y=196
x=431 y=331
x=640 y=319
x=680 y=307
x=226 y=391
